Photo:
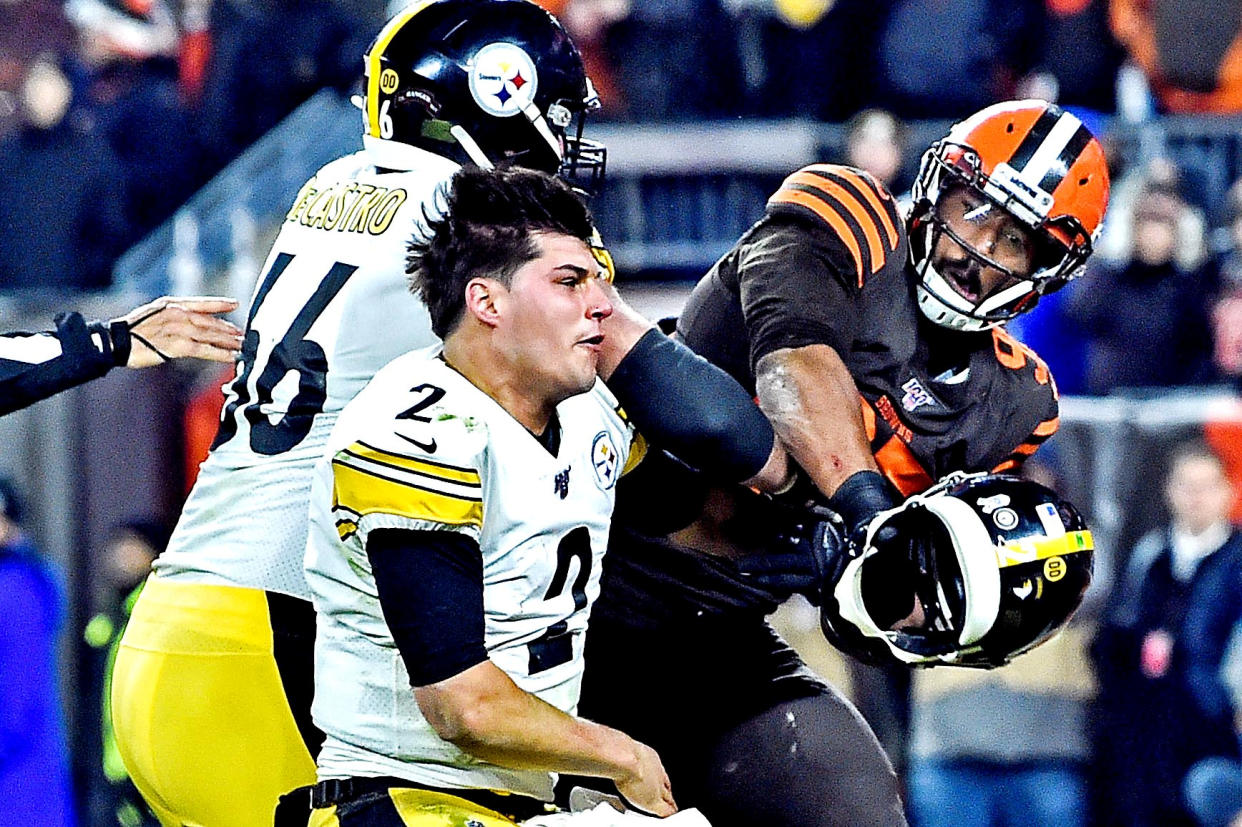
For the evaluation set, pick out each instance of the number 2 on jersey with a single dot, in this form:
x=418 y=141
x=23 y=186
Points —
x=293 y=353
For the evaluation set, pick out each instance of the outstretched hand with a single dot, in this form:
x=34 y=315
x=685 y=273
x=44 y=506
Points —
x=177 y=327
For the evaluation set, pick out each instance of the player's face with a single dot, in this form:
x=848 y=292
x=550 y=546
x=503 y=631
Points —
x=992 y=249
x=553 y=320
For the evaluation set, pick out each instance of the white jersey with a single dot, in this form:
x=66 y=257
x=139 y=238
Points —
x=422 y=448
x=331 y=307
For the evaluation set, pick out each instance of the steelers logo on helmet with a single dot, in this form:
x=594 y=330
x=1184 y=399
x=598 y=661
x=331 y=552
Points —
x=604 y=460
x=503 y=79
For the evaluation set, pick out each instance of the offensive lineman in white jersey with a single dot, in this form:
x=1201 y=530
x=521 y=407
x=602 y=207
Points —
x=460 y=516
x=212 y=686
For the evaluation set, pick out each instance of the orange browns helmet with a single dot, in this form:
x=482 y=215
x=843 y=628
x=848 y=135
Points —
x=1041 y=165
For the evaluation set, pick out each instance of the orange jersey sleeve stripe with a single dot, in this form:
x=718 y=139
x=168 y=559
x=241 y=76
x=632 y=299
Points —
x=868 y=189
x=850 y=202
x=830 y=216
x=1048 y=427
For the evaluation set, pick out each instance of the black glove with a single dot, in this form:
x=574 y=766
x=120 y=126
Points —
x=806 y=553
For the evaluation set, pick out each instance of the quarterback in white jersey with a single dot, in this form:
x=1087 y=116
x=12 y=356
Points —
x=459 y=520
x=213 y=679
x=541 y=523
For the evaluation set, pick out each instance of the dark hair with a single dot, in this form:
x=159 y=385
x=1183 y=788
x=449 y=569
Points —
x=486 y=232
x=1192 y=448
x=12 y=504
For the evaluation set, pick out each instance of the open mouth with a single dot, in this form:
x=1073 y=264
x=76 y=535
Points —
x=965 y=282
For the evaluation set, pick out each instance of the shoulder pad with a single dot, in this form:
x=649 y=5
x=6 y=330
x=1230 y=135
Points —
x=851 y=204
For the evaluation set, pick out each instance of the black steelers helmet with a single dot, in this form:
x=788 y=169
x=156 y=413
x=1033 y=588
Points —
x=482 y=81
x=998 y=564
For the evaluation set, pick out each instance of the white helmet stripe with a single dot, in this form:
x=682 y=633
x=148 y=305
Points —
x=1049 y=151
x=536 y=118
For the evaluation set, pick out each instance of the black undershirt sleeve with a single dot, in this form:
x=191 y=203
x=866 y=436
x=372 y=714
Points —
x=798 y=287
x=691 y=408
x=81 y=359
x=430 y=586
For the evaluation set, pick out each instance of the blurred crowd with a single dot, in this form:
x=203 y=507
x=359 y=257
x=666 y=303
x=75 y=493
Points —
x=114 y=112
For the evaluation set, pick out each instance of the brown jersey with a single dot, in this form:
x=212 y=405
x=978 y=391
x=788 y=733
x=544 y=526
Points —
x=828 y=264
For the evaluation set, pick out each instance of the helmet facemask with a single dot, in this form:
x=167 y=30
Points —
x=972 y=572
x=1061 y=245
x=930 y=558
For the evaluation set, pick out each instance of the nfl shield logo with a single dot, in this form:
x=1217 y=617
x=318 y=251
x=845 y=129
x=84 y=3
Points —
x=916 y=395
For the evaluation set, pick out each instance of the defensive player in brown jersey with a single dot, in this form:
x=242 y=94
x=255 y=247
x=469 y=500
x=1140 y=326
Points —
x=874 y=342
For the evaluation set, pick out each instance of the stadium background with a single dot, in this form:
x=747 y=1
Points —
x=708 y=105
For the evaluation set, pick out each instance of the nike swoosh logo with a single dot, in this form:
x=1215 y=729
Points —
x=429 y=447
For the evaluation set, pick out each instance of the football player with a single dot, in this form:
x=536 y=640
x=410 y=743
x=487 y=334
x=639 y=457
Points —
x=34 y=366
x=212 y=686
x=460 y=516
x=874 y=341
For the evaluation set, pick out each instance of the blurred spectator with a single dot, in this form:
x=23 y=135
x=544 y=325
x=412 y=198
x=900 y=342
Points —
x=677 y=60
x=947 y=58
x=28 y=28
x=34 y=759
x=133 y=91
x=269 y=56
x=1009 y=747
x=805 y=58
x=1189 y=50
x=1213 y=654
x=1116 y=242
x=588 y=22
x=1079 y=57
x=61 y=193
x=127 y=560
x=875 y=140
x=1148 y=729
x=1145 y=321
x=1227 y=308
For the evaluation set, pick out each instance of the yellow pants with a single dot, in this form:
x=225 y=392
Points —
x=202 y=721
x=409 y=808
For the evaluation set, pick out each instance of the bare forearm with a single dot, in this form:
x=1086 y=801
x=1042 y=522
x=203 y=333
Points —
x=491 y=718
x=814 y=407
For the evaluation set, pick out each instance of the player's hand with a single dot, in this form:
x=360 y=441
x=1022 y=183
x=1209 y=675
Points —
x=647 y=787
x=173 y=328
x=803 y=558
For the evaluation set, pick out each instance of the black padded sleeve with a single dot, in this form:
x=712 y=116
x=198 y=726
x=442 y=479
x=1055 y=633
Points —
x=24 y=381
x=430 y=586
x=691 y=408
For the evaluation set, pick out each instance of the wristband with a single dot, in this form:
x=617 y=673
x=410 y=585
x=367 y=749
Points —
x=861 y=497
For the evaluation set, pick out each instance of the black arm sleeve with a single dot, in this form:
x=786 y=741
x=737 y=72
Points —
x=688 y=406
x=430 y=587
x=24 y=382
